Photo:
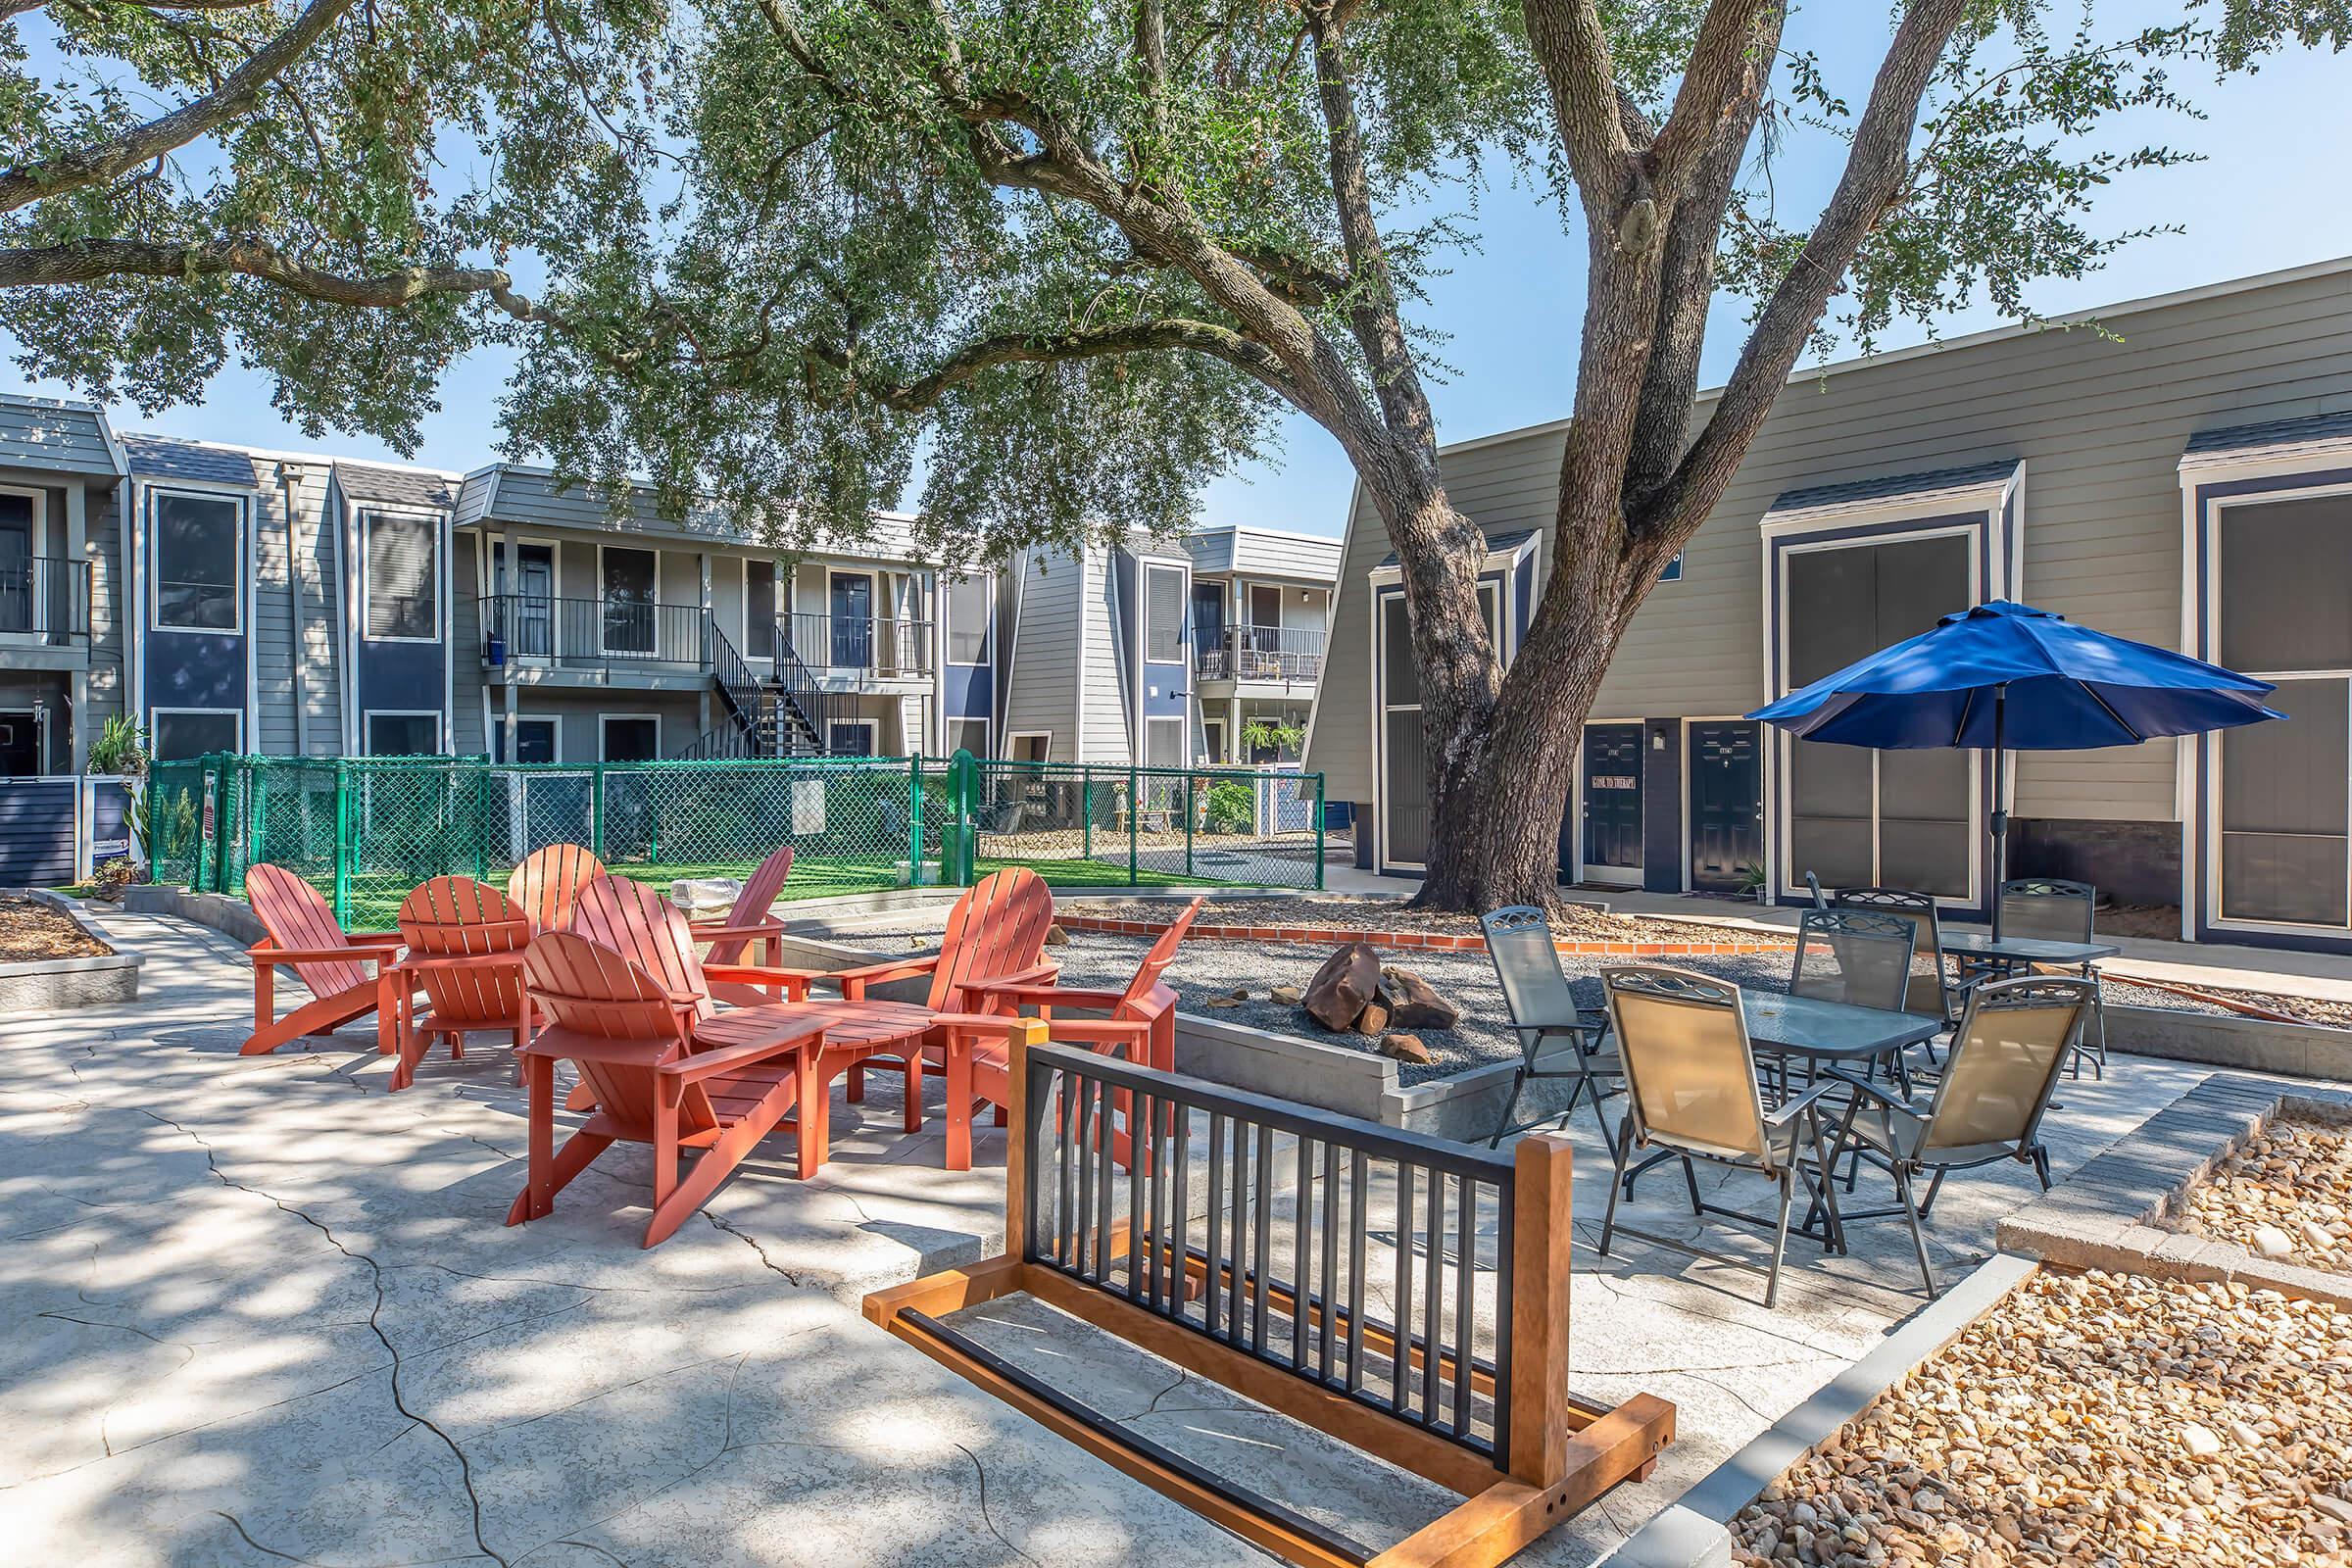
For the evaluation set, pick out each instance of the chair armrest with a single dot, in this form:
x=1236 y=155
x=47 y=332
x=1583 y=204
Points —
x=1022 y=992
x=722 y=931
x=1830 y=1082
x=793 y=983
x=379 y=937
x=367 y=953
x=867 y=975
x=462 y=960
x=706 y=1063
x=1043 y=974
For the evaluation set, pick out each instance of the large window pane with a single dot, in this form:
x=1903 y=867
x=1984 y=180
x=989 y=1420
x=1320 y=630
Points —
x=760 y=609
x=2284 y=568
x=180 y=736
x=1163 y=615
x=1926 y=825
x=1400 y=680
x=403 y=577
x=629 y=576
x=2284 y=798
x=403 y=734
x=1406 y=794
x=199 y=560
x=967 y=601
x=1830 y=822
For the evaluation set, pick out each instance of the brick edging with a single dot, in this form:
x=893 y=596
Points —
x=1441 y=941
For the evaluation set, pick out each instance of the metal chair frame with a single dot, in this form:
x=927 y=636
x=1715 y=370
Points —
x=1797 y=1119
x=2043 y=894
x=1513 y=933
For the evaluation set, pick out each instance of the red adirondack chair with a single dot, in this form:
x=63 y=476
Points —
x=748 y=920
x=1138 y=1023
x=465 y=942
x=720 y=1088
x=349 y=973
x=547 y=881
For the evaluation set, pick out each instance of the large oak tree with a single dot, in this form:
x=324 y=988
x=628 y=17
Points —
x=1071 y=258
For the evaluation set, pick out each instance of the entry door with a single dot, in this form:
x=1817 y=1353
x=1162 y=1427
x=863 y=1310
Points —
x=1613 y=803
x=1726 y=804
x=15 y=563
x=534 y=602
x=20 y=744
x=853 y=608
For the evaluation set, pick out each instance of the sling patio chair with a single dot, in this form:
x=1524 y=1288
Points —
x=1544 y=1011
x=1989 y=1104
x=1138 y=1023
x=1690 y=1087
x=719 y=1086
x=464 y=951
x=1938 y=989
x=1858 y=957
x=349 y=973
x=547 y=880
x=2062 y=911
x=750 y=920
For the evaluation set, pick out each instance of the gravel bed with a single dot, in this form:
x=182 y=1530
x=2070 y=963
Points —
x=2096 y=1420
x=32 y=930
x=1352 y=912
x=2285 y=1193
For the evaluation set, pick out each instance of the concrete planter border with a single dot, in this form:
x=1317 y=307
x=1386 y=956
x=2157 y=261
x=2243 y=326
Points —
x=2254 y=1045
x=1694 y=1531
x=61 y=984
x=2120 y=1212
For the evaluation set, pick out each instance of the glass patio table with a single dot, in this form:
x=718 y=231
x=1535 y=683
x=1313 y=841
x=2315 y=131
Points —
x=2015 y=953
x=1830 y=1033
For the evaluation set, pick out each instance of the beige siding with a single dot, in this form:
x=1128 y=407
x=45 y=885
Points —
x=2099 y=423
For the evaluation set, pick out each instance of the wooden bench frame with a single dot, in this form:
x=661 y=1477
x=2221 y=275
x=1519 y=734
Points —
x=1562 y=1452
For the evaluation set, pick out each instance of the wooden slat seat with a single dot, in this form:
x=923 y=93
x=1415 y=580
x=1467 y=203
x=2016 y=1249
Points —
x=465 y=942
x=547 y=881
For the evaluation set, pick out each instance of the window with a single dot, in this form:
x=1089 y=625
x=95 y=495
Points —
x=629 y=578
x=1403 y=776
x=1859 y=817
x=631 y=738
x=180 y=734
x=19 y=530
x=403 y=578
x=967 y=735
x=534 y=739
x=1212 y=741
x=199 y=550
x=967 y=620
x=403 y=734
x=1163 y=743
x=760 y=609
x=849 y=737
x=1033 y=747
x=1163 y=615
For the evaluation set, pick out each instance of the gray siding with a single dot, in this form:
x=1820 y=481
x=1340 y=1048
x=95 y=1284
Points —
x=1102 y=700
x=1262 y=552
x=2099 y=424
x=465 y=735
x=109 y=611
x=1045 y=649
x=273 y=616
x=61 y=437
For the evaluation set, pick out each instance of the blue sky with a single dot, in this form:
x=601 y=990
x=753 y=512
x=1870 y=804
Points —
x=2268 y=196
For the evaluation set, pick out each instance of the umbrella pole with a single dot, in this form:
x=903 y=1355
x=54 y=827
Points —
x=2000 y=806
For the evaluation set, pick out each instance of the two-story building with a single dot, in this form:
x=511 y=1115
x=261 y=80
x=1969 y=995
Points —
x=2181 y=476
x=1207 y=650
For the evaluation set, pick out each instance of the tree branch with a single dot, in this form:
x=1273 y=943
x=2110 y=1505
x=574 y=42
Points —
x=94 y=261
x=17 y=8
x=237 y=92
x=1725 y=62
x=1572 y=49
x=988 y=353
x=1874 y=173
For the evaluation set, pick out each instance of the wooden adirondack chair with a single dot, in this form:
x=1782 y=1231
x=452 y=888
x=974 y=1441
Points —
x=337 y=965
x=748 y=920
x=548 y=880
x=1138 y=1023
x=465 y=942
x=720 y=1088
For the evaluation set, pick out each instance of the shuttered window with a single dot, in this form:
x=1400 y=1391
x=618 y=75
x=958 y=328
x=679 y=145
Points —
x=1163 y=615
x=967 y=601
x=403 y=577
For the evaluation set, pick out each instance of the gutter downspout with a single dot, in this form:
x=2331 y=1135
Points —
x=289 y=478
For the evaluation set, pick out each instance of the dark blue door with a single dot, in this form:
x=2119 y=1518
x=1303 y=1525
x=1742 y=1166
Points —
x=1726 y=805
x=1612 y=797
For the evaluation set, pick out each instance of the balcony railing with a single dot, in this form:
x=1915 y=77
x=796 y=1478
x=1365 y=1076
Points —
x=1263 y=652
x=45 y=601
x=876 y=645
x=612 y=635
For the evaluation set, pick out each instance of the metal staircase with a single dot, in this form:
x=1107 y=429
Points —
x=787 y=717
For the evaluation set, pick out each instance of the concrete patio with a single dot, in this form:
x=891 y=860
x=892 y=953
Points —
x=258 y=1310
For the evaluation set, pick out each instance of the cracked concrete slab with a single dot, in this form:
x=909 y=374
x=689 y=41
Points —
x=259 y=1309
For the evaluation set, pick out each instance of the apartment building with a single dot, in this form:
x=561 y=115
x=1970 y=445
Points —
x=1169 y=655
x=292 y=603
x=2182 y=475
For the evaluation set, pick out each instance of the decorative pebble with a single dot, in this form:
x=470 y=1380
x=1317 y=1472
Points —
x=2285 y=1193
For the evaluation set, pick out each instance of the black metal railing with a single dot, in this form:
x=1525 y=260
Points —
x=1268 y=1226
x=45 y=599
x=740 y=690
x=597 y=634
x=872 y=645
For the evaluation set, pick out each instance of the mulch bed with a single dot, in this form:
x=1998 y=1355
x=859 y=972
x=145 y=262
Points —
x=31 y=932
x=1348 y=913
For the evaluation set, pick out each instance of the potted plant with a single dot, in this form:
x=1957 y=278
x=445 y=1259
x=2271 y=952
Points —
x=120 y=750
x=1755 y=882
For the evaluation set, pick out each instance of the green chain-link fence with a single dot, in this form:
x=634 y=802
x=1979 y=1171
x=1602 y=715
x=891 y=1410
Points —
x=364 y=831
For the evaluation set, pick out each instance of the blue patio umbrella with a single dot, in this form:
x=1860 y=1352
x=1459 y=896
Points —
x=2005 y=675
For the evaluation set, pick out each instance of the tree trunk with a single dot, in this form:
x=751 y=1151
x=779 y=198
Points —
x=1494 y=836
